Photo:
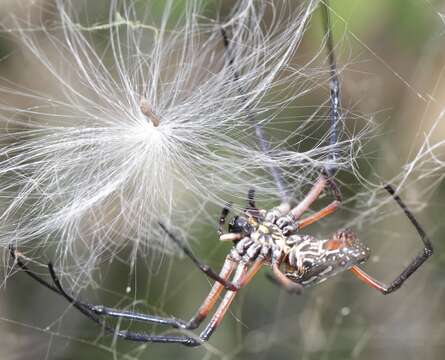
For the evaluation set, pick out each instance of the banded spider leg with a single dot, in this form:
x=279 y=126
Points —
x=243 y=275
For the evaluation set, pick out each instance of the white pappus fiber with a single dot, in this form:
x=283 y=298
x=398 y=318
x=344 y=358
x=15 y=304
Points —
x=149 y=117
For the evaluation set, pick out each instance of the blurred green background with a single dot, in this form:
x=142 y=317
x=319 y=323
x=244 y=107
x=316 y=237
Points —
x=394 y=51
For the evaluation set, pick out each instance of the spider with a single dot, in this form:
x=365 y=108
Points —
x=260 y=237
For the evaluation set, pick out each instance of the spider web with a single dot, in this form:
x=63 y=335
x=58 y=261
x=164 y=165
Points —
x=394 y=81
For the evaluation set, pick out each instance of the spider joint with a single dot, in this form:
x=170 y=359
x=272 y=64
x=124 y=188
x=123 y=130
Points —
x=428 y=251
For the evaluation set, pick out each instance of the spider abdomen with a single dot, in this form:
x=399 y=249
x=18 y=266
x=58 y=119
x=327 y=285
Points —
x=310 y=261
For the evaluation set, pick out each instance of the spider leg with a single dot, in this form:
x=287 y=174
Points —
x=261 y=137
x=412 y=267
x=89 y=311
x=212 y=297
x=251 y=199
x=95 y=312
x=334 y=86
x=222 y=218
x=327 y=210
x=17 y=261
x=277 y=213
x=290 y=222
x=84 y=308
x=206 y=269
x=310 y=198
x=241 y=278
x=193 y=323
x=256 y=266
x=332 y=207
x=251 y=209
x=281 y=279
x=330 y=170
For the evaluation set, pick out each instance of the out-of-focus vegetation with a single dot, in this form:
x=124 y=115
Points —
x=394 y=51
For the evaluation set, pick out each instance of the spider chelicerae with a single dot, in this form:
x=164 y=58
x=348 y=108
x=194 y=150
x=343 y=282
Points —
x=261 y=237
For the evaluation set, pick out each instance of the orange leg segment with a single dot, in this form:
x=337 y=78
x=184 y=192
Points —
x=291 y=223
x=225 y=303
x=257 y=265
x=289 y=285
x=318 y=215
x=368 y=280
x=242 y=277
x=313 y=195
x=212 y=297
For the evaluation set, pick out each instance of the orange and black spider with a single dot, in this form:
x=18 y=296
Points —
x=262 y=237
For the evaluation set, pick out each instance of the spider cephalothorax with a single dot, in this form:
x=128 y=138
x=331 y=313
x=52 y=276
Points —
x=242 y=225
